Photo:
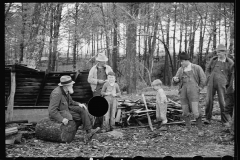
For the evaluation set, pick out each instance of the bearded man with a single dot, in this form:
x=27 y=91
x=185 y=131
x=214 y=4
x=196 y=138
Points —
x=62 y=108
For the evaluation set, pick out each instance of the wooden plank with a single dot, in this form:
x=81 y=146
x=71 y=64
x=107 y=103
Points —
x=28 y=87
x=25 y=100
x=26 y=94
x=149 y=119
x=10 y=104
x=28 y=84
x=29 y=80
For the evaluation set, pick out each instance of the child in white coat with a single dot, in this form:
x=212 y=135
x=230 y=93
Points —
x=161 y=103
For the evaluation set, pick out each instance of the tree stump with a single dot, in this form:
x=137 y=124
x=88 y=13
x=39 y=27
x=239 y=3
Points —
x=49 y=130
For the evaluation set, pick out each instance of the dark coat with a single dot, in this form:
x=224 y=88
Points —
x=59 y=106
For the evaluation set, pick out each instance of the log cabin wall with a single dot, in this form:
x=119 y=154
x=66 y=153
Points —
x=33 y=87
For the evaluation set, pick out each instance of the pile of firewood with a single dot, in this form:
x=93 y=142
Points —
x=18 y=131
x=131 y=112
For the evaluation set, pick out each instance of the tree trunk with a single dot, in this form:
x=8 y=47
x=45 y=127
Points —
x=42 y=42
x=75 y=36
x=34 y=30
x=174 y=34
x=167 y=74
x=193 y=37
x=68 y=46
x=22 y=45
x=56 y=33
x=231 y=24
x=225 y=26
x=49 y=130
x=115 y=45
x=50 y=37
x=131 y=49
x=214 y=30
x=186 y=31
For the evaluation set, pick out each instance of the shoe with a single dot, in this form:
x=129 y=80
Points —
x=159 y=125
x=207 y=121
x=163 y=128
x=200 y=133
x=90 y=134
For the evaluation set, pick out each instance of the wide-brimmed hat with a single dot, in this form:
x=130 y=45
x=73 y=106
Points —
x=221 y=47
x=66 y=80
x=101 y=57
x=184 y=56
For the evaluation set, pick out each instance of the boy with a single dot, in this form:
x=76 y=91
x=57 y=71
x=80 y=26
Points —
x=161 y=103
x=110 y=91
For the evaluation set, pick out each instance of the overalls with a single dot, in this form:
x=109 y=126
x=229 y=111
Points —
x=217 y=82
x=109 y=117
x=189 y=94
x=189 y=97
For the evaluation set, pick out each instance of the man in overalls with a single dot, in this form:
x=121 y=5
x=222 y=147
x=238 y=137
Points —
x=218 y=74
x=97 y=77
x=191 y=78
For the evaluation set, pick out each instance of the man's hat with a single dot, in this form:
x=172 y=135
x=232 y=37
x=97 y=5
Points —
x=184 y=56
x=221 y=47
x=101 y=57
x=65 y=80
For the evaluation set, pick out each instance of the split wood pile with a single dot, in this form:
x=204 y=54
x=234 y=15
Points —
x=133 y=112
x=18 y=131
x=33 y=87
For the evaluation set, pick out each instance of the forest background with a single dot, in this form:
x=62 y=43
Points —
x=141 y=40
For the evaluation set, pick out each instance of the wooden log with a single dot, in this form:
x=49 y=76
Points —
x=10 y=105
x=10 y=131
x=19 y=121
x=49 y=130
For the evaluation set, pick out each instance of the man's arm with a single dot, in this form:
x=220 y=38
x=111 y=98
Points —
x=91 y=79
x=54 y=106
x=71 y=101
x=104 y=88
x=202 y=77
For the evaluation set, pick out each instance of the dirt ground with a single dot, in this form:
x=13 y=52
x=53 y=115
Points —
x=132 y=142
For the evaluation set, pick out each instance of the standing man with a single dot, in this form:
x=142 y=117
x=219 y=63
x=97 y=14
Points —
x=62 y=108
x=218 y=74
x=191 y=79
x=97 y=77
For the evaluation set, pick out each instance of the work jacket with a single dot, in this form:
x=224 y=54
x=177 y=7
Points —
x=198 y=73
x=92 y=76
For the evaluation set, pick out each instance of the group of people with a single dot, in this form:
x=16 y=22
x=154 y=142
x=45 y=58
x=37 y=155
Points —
x=190 y=78
x=219 y=78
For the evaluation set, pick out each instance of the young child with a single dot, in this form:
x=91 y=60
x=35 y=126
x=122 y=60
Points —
x=110 y=91
x=161 y=103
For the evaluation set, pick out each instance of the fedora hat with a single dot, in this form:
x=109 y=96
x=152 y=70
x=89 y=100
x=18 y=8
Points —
x=184 y=56
x=65 y=80
x=221 y=47
x=101 y=57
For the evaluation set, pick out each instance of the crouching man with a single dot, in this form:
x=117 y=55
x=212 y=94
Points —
x=62 y=108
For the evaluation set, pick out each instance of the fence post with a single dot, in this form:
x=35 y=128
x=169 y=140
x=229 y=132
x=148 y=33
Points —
x=9 y=115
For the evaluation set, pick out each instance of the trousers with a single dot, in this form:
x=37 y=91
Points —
x=109 y=117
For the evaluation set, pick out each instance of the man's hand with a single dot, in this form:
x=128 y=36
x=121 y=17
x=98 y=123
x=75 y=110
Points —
x=114 y=94
x=175 y=79
x=100 y=81
x=107 y=93
x=82 y=105
x=65 y=121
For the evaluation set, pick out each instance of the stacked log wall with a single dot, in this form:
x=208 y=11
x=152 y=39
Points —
x=33 y=88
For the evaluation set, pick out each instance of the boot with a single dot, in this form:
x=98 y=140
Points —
x=90 y=133
x=199 y=126
x=188 y=124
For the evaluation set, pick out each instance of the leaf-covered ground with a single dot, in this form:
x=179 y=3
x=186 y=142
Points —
x=132 y=142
